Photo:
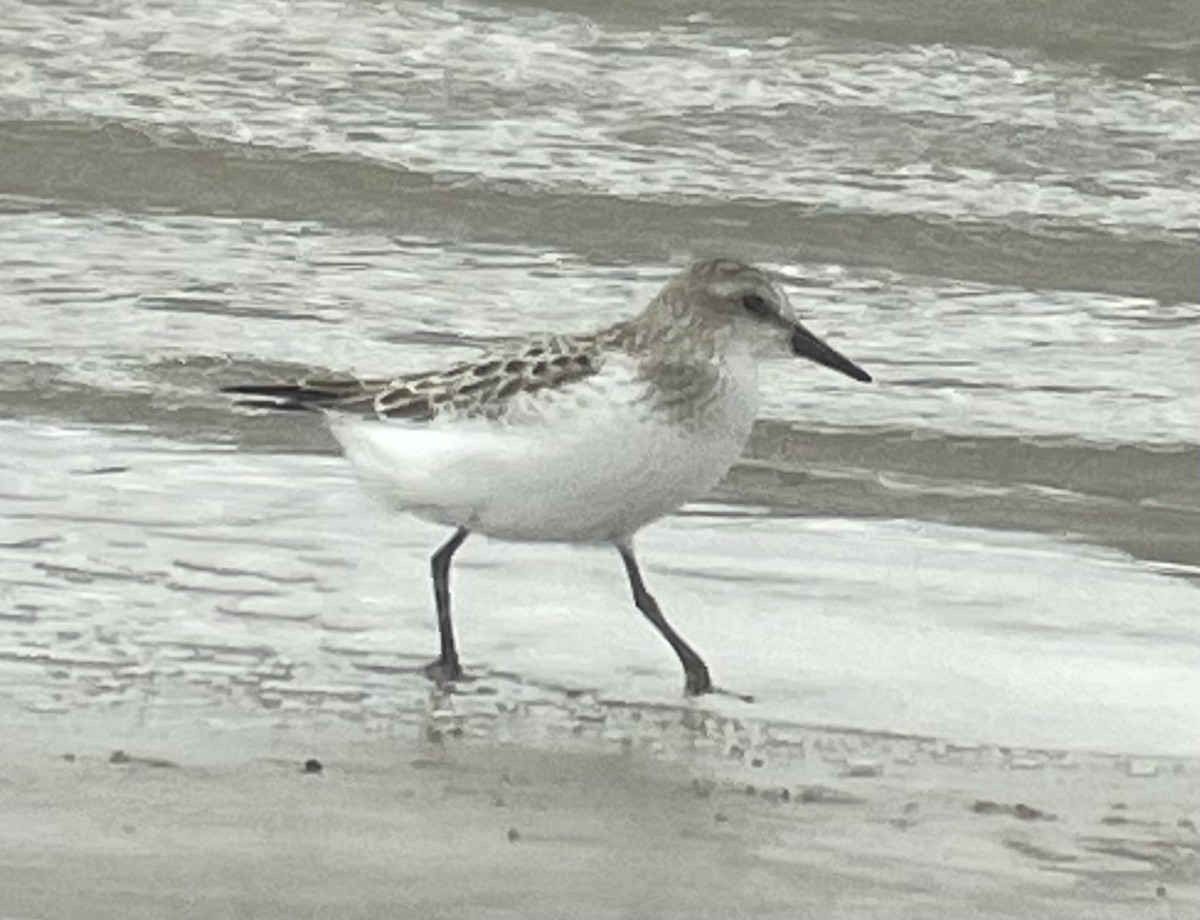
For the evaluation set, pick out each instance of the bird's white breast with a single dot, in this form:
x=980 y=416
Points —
x=592 y=461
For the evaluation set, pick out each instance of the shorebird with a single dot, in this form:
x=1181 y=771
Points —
x=571 y=438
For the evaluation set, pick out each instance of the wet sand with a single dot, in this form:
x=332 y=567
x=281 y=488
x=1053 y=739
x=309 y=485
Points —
x=998 y=543
x=221 y=653
x=637 y=813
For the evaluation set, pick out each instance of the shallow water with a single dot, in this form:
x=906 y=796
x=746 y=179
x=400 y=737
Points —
x=999 y=541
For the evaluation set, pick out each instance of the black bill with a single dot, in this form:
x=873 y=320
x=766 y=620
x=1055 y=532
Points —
x=807 y=345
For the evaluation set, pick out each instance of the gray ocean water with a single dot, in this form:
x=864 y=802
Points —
x=994 y=208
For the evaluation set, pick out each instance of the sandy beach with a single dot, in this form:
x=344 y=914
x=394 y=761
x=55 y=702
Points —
x=600 y=810
x=963 y=597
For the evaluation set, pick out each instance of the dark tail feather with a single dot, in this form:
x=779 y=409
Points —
x=293 y=397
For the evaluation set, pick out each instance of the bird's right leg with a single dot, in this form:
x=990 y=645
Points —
x=695 y=671
x=446 y=668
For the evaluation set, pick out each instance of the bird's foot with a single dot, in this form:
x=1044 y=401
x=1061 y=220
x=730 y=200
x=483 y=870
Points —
x=697 y=681
x=444 y=672
x=733 y=694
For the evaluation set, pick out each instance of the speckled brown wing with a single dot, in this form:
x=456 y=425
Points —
x=481 y=388
x=485 y=388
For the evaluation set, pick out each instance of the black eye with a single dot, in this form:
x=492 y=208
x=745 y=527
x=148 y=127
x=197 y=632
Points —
x=756 y=305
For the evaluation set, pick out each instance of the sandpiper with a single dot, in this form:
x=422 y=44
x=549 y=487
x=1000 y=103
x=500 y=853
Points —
x=572 y=438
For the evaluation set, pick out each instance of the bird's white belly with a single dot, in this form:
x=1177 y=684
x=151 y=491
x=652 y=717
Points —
x=588 y=469
x=606 y=482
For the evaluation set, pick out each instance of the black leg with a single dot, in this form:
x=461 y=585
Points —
x=697 y=680
x=446 y=668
